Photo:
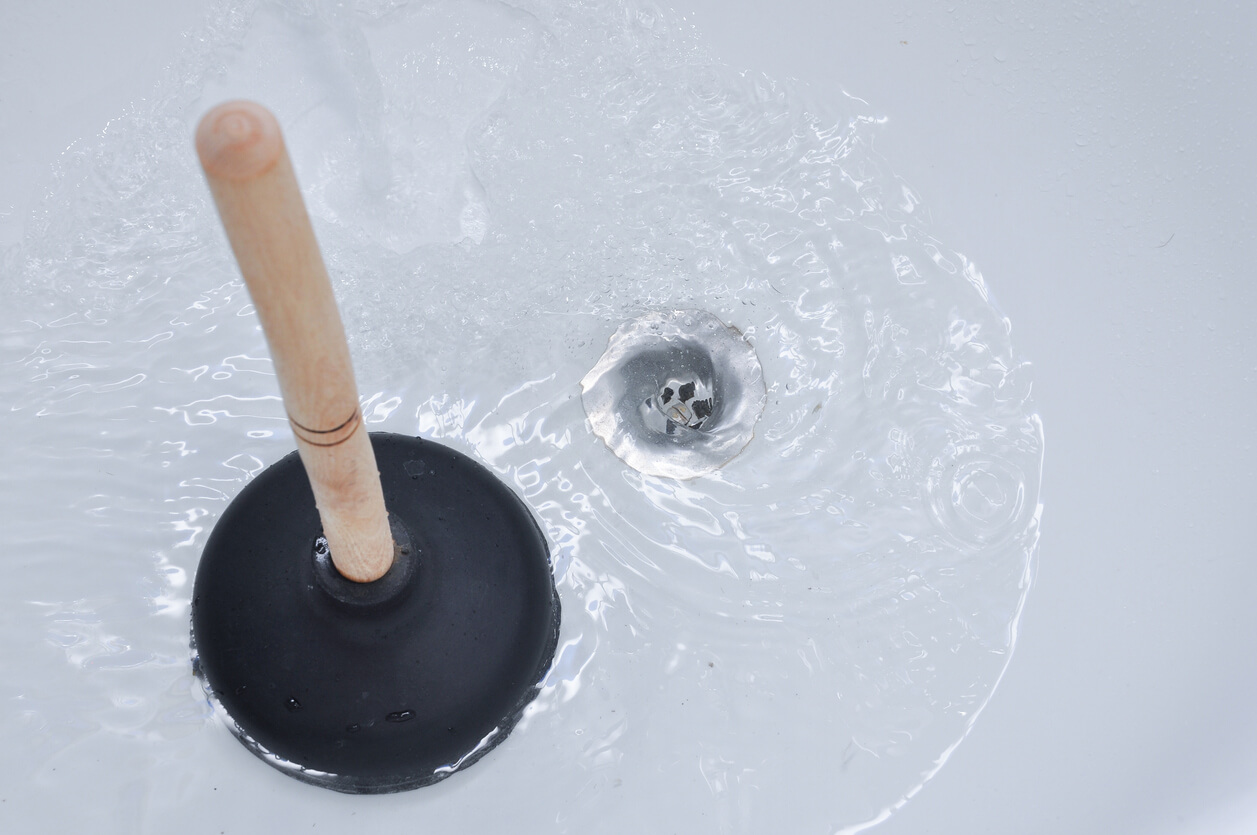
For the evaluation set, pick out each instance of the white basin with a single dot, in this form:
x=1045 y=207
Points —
x=1095 y=161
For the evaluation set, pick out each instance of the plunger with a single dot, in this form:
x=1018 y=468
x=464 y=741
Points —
x=373 y=612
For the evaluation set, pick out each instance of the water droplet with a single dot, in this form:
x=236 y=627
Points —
x=981 y=499
x=354 y=728
x=400 y=716
x=292 y=705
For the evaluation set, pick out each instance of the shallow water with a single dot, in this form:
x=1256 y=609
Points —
x=802 y=636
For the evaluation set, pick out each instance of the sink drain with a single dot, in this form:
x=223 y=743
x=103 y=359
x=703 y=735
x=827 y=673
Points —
x=675 y=394
x=682 y=404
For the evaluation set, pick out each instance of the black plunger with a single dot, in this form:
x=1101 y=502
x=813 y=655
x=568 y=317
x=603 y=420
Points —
x=375 y=613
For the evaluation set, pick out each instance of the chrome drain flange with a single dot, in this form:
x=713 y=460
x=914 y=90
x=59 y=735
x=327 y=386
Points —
x=676 y=394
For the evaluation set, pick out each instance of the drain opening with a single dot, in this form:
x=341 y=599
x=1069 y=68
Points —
x=675 y=394
x=685 y=405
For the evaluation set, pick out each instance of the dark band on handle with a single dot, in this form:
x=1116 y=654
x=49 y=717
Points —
x=305 y=432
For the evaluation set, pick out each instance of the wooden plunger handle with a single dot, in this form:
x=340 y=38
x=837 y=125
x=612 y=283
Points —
x=251 y=178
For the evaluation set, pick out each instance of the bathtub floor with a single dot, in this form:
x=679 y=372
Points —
x=1093 y=159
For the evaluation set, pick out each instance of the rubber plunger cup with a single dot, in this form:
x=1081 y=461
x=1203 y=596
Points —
x=375 y=613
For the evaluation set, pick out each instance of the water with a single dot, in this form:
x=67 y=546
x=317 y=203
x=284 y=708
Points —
x=794 y=642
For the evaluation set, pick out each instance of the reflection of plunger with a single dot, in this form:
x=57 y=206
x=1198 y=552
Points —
x=356 y=648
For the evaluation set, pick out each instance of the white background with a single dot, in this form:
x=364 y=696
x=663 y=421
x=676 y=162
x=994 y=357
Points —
x=1095 y=160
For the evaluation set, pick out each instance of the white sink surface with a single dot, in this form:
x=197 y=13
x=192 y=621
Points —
x=1095 y=160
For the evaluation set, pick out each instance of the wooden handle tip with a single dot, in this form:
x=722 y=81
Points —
x=238 y=140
